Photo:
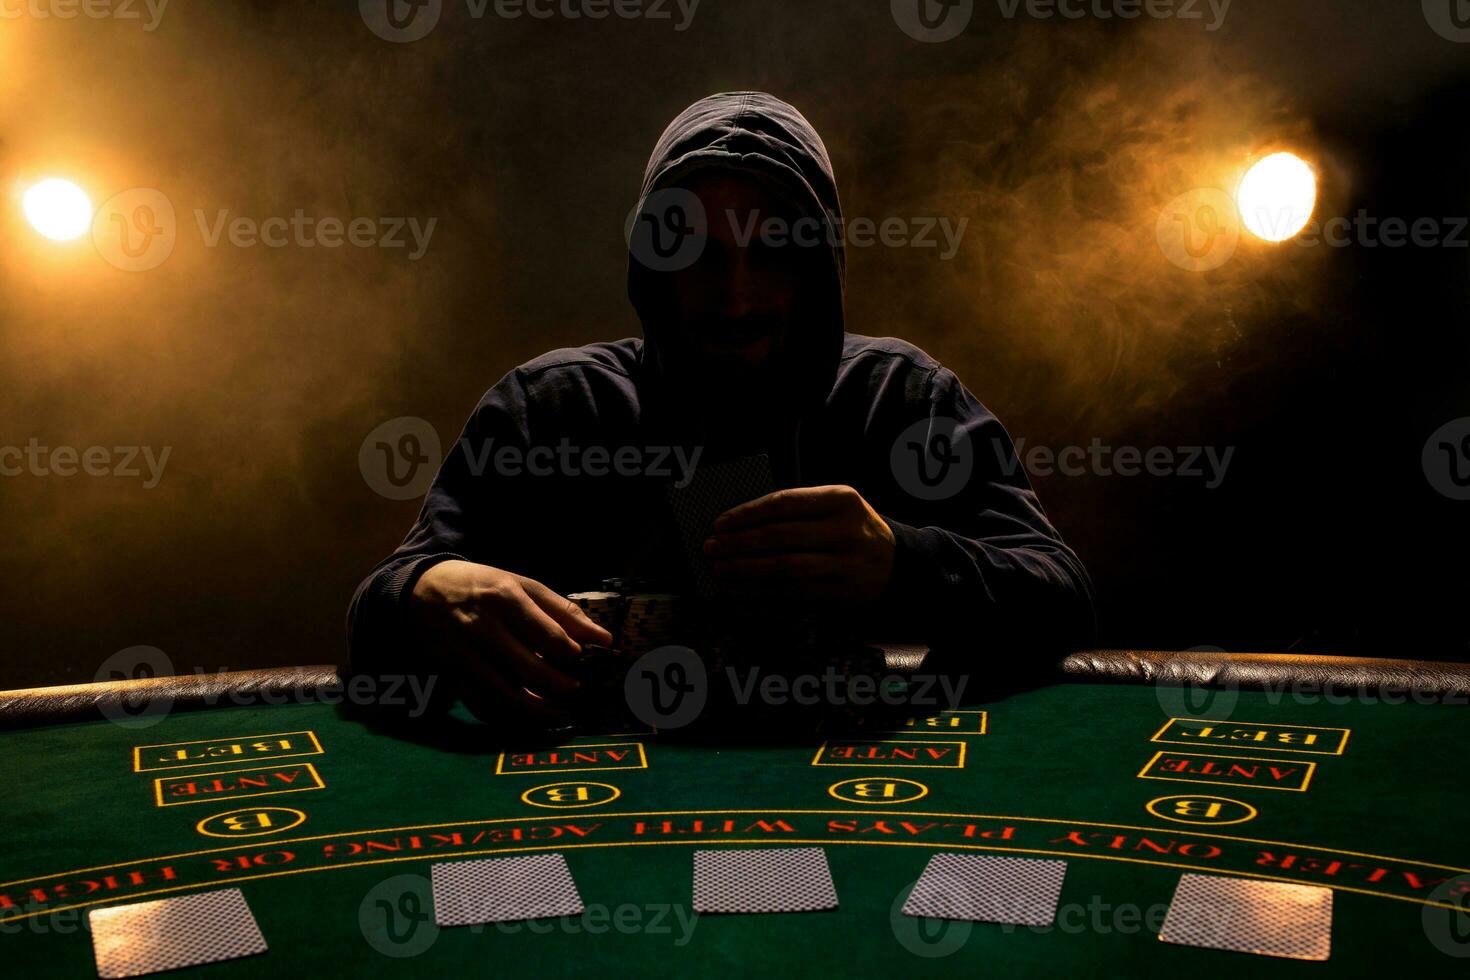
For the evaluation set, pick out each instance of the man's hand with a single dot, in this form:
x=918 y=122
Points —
x=510 y=637
x=814 y=542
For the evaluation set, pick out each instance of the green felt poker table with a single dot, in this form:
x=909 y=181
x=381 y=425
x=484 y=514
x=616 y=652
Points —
x=1133 y=768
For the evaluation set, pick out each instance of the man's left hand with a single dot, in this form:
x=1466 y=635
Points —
x=813 y=542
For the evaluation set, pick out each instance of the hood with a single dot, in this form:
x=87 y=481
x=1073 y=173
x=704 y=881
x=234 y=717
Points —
x=762 y=138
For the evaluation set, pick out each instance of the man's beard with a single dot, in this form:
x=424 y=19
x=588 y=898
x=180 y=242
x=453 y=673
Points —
x=729 y=397
x=735 y=403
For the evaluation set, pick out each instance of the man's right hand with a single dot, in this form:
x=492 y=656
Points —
x=511 y=638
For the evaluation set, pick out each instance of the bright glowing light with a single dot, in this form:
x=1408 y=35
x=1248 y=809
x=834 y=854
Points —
x=58 y=209
x=1277 y=196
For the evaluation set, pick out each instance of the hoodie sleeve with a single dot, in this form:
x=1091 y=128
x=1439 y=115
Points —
x=451 y=525
x=985 y=561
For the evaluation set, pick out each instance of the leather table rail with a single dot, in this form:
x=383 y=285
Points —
x=1301 y=673
x=121 y=700
x=1411 y=680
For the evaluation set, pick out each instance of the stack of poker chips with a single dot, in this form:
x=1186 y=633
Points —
x=603 y=608
x=649 y=622
x=638 y=623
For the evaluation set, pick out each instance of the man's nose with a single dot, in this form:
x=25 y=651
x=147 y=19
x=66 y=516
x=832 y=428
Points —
x=738 y=293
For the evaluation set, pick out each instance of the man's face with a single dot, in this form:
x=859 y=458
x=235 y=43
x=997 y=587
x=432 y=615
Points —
x=733 y=310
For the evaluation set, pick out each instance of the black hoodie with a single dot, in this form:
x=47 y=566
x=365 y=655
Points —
x=980 y=571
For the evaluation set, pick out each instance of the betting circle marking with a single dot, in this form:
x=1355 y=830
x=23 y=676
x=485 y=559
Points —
x=855 y=788
x=608 y=794
x=1231 y=811
x=219 y=825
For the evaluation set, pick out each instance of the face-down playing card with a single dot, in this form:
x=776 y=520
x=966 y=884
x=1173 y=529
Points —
x=782 y=879
x=537 y=886
x=984 y=888
x=1271 y=918
x=171 y=933
x=712 y=490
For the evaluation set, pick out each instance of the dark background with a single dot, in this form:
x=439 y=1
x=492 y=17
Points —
x=1326 y=369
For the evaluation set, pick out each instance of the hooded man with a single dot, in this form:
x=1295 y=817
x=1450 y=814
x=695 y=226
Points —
x=903 y=504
